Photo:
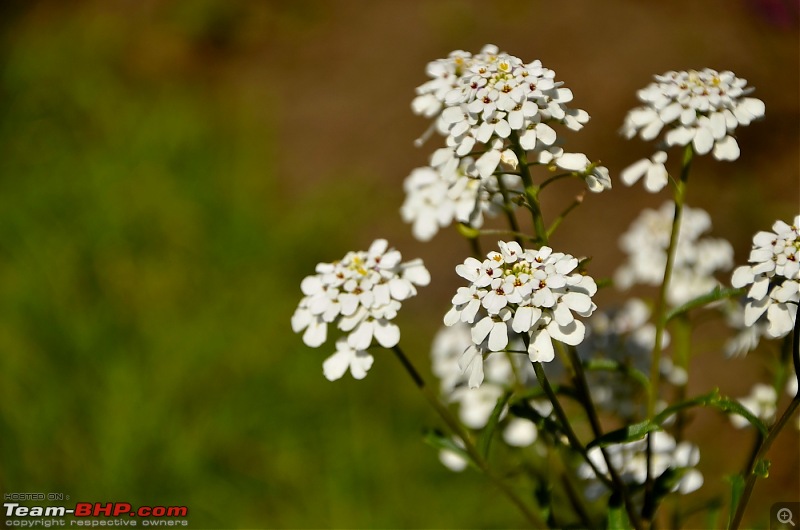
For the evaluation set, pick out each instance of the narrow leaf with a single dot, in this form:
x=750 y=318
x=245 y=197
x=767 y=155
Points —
x=631 y=433
x=731 y=406
x=737 y=488
x=441 y=442
x=485 y=439
x=609 y=365
x=617 y=517
x=716 y=294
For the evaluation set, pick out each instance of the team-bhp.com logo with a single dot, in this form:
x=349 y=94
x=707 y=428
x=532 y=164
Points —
x=156 y=515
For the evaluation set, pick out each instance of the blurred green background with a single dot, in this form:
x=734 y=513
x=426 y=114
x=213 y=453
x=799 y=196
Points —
x=170 y=170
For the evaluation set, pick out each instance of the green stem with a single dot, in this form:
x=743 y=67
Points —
x=469 y=447
x=771 y=435
x=661 y=321
x=531 y=190
x=683 y=336
x=557 y=222
x=565 y=425
x=585 y=397
x=509 y=209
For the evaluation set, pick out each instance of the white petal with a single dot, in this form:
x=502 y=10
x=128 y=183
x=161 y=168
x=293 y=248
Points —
x=520 y=433
x=360 y=364
x=742 y=276
x=361 y=337
x=578 y=302
x=487 y=163
x=753 y=311
x=316 y=333
x=545 y=134
x=703 y=141
x=780 y=320
x=498 y=338
x=337 y=364
x=656 y=178
x=635 y=171
x=571 y=334
x=524 y=318
x=691 y=481
x=572 y=161
x=386 y=333
x=481 y=329
x=726 y=149
x=541 y=347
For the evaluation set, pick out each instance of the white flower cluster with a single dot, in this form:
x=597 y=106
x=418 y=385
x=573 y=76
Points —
x=696 y=258
x=773 y=277
x=630 y=461
x=361 y=293
x=699 y=108
x=627 y=337
x=529 y=294
x=475 y=405
x=762 y=402
x=450 y=189
x=486 y=105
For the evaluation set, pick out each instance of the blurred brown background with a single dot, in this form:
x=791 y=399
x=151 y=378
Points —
x=172 y=169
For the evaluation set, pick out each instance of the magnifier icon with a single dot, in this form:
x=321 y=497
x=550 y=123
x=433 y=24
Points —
x=785 y=516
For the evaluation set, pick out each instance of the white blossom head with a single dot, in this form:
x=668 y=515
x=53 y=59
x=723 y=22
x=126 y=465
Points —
x=630 y=461
x=701 y=108
x=528 y=295
x=361 y=294
x=697 y=258
x=488 y=106
x=772 y=278
x=762 y=403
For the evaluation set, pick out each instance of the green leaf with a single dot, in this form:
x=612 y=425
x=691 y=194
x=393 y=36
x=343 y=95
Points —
x=737 y=488
x=617 y=516
x=631 y=433
x=716 y=294
x=761 y=468
x=467 y=231
x=485 y=439
x=609 y=365
x=731 y=406
x=438 y=440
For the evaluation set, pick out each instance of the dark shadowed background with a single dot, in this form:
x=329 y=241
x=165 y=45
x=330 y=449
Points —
x=171 y=170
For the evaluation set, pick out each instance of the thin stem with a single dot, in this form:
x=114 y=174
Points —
x=554 y=178
x=469 y=447
x=585 y=398
x=493 y=232
x=531 y=190
x=771 y=435
x=682 y=353
x=565 y=425
x=508 y=209
x=661 y=321
x=557 y=222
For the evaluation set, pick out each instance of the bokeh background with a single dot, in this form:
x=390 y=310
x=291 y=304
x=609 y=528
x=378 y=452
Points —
x=171 y=169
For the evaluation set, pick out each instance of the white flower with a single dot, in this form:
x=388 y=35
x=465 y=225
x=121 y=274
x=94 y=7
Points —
x=361 y=294
x=520 y=433
x=653 y=169
x=522 y=294
x=696 y=258
x=452 y=189
x=488 y=101
x=762 y=402
x=453 y=460
x=630 y=462
x=701 y=108
x=358 y=361
x=773 y=277
x=626 y=336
